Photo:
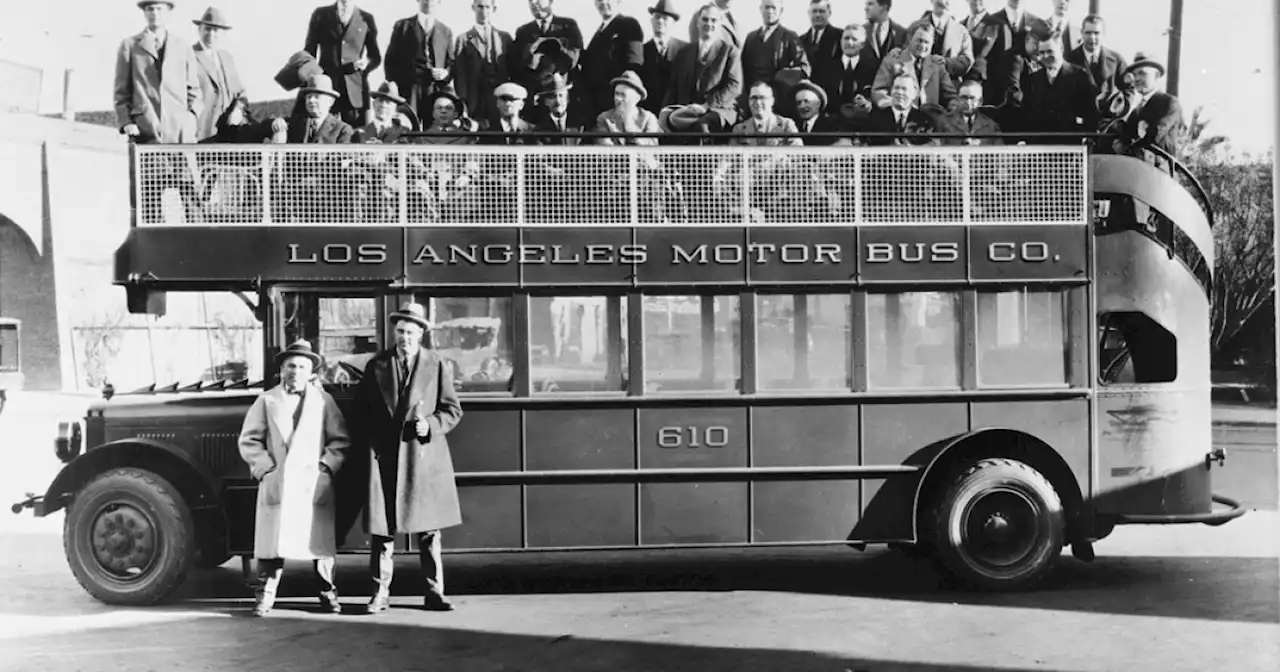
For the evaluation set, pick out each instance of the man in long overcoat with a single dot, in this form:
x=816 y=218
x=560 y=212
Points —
x=157 y=95
x=293 y=440
x=407 y=406
x=219 y=80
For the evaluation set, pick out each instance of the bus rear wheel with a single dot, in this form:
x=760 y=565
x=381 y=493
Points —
x=999 y=526
x=129 y=537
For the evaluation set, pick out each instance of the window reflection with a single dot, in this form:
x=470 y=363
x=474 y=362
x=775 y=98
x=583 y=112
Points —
x=577 y=344
x=474 y=336
x=802 y=342
x=1022 y=338
x=691 y=343
x=342 y=329
x=913 y=340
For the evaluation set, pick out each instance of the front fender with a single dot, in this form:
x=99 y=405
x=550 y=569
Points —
x=199 y=487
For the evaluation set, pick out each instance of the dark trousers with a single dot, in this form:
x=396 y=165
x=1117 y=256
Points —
x=382 y=562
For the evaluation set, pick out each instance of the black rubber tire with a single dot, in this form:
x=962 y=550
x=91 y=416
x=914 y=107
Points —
x=961 y=561
x=164 y=508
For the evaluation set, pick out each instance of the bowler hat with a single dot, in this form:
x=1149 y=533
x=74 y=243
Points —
x=300 y=68
x=319 y=84
x=388 y=91
x=665 y=7
x=299 y=348
x=631 y=79
x=806 y=85
x=1142 y=60
x=213 y=17
x=511 y=90
x=677 y=118
x=412 y=312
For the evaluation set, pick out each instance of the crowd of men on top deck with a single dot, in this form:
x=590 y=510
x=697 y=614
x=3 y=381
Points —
x=996 y=71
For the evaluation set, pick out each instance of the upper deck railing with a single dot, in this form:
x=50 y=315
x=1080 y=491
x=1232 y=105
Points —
x=534 y=186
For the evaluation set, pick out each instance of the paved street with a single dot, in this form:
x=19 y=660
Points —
x=1157 y=598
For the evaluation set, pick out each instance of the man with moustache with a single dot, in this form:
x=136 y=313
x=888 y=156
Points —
x=420 y=57
x=219 y=80
x=660 y=54
x=344 y=41
x=407 y=405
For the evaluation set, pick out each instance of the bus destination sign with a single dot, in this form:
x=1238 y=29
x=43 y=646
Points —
x=620 y=256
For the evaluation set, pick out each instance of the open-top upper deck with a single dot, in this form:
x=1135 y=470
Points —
x=228 y=216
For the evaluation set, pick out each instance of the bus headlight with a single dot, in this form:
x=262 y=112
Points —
x=67 y=445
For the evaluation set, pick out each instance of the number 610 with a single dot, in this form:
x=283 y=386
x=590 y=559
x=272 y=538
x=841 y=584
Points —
x=693 y=437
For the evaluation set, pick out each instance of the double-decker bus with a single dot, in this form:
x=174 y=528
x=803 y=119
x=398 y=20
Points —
x=978 y=354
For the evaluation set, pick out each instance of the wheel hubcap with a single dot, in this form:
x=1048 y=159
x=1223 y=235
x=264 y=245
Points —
x=124 y=540
x=1001 y=528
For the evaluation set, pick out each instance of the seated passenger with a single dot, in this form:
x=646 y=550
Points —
x=707 y=75
x=969 y=119
x=509 y=102
x=379 y=171
x=935 y=90
x=627 y=116
x=448 y=115
x=852 y=103
x=386 y=127
x=811 y=106
x=900 y=117
x=238 y=126
x=1060 y=98
x=763 y=120
x=553 y=114
x=771 y=172
x=1154 y=117
x=313 y=124
x=316 y=186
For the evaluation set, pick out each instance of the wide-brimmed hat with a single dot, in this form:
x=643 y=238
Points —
x=412 y=312
x=631 y=79
x=300 y=348
x=1142 y=60
x=144 y=3
x=319 y=84
x=665 y=7
x=677 y=118
x=806 y=85
x=786 y=79
x=213 y=17
x=554 y=83
x=299 y=69
x=388 y=91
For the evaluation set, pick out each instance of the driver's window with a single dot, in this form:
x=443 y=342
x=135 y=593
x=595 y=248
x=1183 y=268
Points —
x=344 y=329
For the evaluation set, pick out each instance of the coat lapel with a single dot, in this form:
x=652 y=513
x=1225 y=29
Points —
x=147 y=42
x=356 y=24
x=387 y=383
x=205 y=59
x=279 y=416
x=420 y=376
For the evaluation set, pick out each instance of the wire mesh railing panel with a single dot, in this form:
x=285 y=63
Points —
x=420 y=185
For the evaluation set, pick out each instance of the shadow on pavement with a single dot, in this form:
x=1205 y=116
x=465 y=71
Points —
x=285 y=642
x=1212 y=588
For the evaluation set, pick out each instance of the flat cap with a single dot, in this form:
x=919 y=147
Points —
x=511 y=90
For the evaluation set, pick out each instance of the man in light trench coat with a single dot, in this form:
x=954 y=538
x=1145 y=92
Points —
x=293 y=439
x=406 y=404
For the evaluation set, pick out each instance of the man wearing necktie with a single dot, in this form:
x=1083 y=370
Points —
x=660 y=54
x=883 y=34
x=407 y=403
x=1105 y=65
x=420 y=57
x=317 y=187
x=822 y=48
x=294 y=438
x=157 y=93
x=951 y=40
x=548 y=45
x=968 y=119
x=900 y=116
x=616 y=47
x=344 y=40
x=219 y=80
x=934 y=85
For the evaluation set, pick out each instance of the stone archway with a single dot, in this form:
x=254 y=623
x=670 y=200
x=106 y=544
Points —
x=27 y=293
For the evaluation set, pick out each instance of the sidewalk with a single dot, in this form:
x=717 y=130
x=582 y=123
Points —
x=1244 y=415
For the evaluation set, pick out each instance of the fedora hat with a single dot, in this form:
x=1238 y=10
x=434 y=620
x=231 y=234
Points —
x=806 y=85
x=319 y=84
x=299 y=69
x=665 y=7
x=299 y=348
x=1143 y=60
x=677 y=118
x=388 y=91
x=412 y=312
x=631 y=79
x=431 y=99
x=142 y=4
x=213 y=17
x=555 y=83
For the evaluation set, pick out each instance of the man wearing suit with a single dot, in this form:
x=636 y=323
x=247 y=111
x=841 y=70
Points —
x=157 y=90
x=773 y=53
x=660 y=54
x=482 y=61
x=344 y=40
x=385 y=128
x=900 y=116
x=408 y=406
x=509 y=98
x=380 y=203
x=219 y=81
x=822 y=48
x=616 y=47
x=1059 y=24
x=1105 y=65
x=1155 y=117
x=546 y=46
x=627 y=116
x=883 y=34
x=708 y=75
x=1004 y=43
x=968 y=119
x=728 y=24
x=420 y=56
x=811 y=105
x=553 y=115
x=1058 y=98
x=980 y=35
x=951 y=40
x=917 y=59
x=852 y=101
x=320 y=188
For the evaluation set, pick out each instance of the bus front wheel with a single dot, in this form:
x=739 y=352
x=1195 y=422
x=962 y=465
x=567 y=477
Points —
x=999 y=526
x=129 y=537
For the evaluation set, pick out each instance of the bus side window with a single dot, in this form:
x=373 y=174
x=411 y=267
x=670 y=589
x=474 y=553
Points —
x=1135 y=349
